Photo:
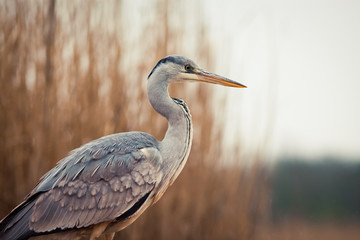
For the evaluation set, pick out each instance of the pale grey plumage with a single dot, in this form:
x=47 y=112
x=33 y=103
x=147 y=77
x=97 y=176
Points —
x=102 y=176
x=103 y=186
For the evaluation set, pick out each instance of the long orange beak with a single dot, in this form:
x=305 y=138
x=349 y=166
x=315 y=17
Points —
x=199 y=75
x=204 y=76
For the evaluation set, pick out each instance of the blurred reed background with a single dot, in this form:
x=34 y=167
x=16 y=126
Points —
x=73 y=71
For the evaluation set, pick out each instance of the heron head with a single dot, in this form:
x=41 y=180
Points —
x=176 y=68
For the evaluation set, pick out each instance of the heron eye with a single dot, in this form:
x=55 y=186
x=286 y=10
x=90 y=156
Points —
x=188 y=67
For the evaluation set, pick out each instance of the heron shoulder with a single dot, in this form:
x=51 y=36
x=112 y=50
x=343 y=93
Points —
x=103 y=180
x=100 y=193
x=122 y=148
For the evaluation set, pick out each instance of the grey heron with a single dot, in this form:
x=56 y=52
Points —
x=106 y=184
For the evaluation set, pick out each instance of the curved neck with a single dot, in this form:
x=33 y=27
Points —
x=175 y=146
x=161 y=101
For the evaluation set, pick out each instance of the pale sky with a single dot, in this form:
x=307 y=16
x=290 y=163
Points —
x=301 y=63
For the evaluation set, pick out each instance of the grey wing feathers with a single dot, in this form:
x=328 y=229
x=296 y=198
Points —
x=97 y=182
x=82 y=157
x=80 y=204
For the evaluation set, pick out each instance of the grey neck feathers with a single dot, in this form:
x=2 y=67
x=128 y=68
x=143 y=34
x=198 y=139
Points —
x=161 y=101
x=176 y=144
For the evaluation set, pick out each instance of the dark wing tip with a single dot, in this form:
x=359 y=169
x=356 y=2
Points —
x=16 y=224
x=134 y=208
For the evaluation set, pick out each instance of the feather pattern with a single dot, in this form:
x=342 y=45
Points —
x=97 y=182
